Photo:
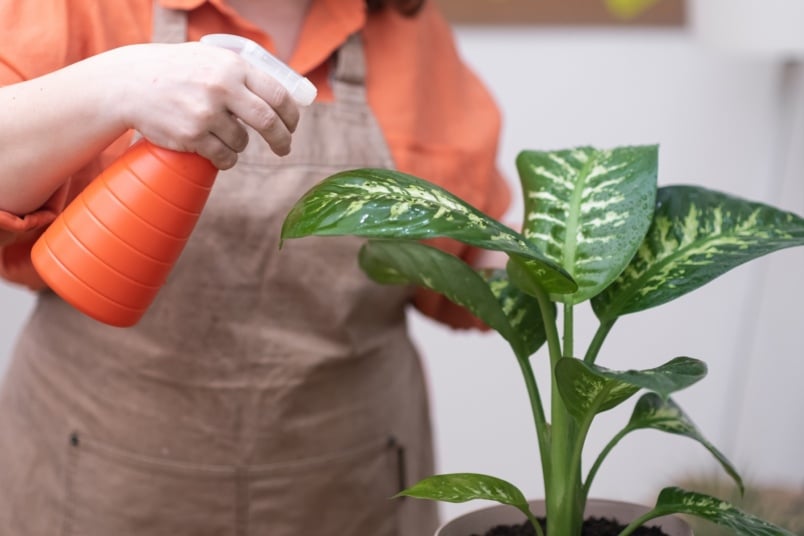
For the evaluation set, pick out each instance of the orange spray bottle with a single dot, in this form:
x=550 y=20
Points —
x=112 y=248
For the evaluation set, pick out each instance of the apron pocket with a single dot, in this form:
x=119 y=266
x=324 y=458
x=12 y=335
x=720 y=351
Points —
x=346 y=494
x=114 y=492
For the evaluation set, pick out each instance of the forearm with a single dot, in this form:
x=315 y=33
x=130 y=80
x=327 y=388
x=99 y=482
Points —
x=51 y=127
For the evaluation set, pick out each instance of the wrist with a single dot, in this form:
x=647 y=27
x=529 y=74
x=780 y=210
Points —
x=111 y=91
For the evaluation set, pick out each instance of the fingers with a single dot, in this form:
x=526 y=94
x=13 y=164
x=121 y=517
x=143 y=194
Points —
x=275 y=95
x=267 y=107
x=254 y=99
x=217 y=152
x=223 y=143
x=217 y=136
x=231 y=132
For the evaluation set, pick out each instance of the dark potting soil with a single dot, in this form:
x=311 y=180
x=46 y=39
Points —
x=593 y=526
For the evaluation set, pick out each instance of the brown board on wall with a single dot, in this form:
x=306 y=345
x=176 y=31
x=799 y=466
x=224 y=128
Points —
x=557 y=12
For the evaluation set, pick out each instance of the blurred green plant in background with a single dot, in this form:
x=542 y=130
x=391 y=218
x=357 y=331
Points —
x=783 y=506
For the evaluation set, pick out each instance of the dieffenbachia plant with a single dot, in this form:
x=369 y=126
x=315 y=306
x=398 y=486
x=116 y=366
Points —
x=596 y=229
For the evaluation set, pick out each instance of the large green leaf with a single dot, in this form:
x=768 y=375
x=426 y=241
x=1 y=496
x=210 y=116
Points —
x=379 y=203
x=513 y=314
x=696 y=235
x=590 y=389
x=588 y=209
x=462 y=487
x=677 y=500
x=654 y=412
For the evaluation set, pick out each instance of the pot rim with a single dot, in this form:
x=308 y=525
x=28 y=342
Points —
x=595 y=507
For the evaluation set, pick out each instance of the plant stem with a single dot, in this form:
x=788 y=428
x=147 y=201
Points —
x=550 y=328
x=562 y=491
x=564 y=508
x=569 y=319
x=535 y=522
x=638 y=522
x=597 y=342
x=554 y=347
x=599 y=461
x=542 y=430
x=574 y=468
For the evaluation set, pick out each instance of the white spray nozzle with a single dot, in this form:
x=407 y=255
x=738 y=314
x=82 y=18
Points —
x=300 y=88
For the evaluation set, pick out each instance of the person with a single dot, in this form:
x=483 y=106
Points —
x=264 y=391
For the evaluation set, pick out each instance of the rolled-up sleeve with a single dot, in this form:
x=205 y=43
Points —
x=17 y=236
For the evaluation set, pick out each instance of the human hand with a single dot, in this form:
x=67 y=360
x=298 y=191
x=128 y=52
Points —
x=196 y=97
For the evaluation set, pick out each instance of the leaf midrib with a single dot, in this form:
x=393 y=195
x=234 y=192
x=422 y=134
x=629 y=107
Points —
x=571 y=236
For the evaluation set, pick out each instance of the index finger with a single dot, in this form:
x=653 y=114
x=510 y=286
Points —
x=272 y=92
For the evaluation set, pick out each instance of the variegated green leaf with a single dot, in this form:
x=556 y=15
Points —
x=587 y=393
x=514 y=315
x=654 y=412
x=696 y=235
x=675 y=375
x=588 y=209
x=587 y=388
x=522 y=310
x=677 y=500
x=462 y=487
x=379 y=203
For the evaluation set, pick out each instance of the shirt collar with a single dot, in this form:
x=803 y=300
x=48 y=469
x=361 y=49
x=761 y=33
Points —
x=327 y=26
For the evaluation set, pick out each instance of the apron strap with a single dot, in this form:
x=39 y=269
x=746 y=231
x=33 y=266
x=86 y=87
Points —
x=168 y=25
x=349 y=76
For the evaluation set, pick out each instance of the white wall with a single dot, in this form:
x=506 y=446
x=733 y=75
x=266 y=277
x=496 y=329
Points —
x=717 y=120
x=715 y=117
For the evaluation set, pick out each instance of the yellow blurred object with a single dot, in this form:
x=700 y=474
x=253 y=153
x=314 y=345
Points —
x=628 y=9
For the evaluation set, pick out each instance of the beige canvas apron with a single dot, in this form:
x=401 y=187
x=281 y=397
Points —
x=266 y=392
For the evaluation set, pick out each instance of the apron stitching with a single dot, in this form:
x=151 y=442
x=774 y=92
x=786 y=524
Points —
x=240 y=473
x=401 y=463
x=68 y=516
x=148 y=462
x=297 y=465
x=242 y=501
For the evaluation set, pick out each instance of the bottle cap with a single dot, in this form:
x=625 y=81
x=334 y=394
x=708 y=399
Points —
x=300 y=88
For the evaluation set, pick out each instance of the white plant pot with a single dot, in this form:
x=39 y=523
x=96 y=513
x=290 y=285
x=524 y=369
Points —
x=479 y=521
x=770 y=28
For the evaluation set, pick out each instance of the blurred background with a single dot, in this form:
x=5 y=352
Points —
x=719 y=85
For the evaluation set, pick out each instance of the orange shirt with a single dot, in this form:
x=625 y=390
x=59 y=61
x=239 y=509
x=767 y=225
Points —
x=437 y=117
